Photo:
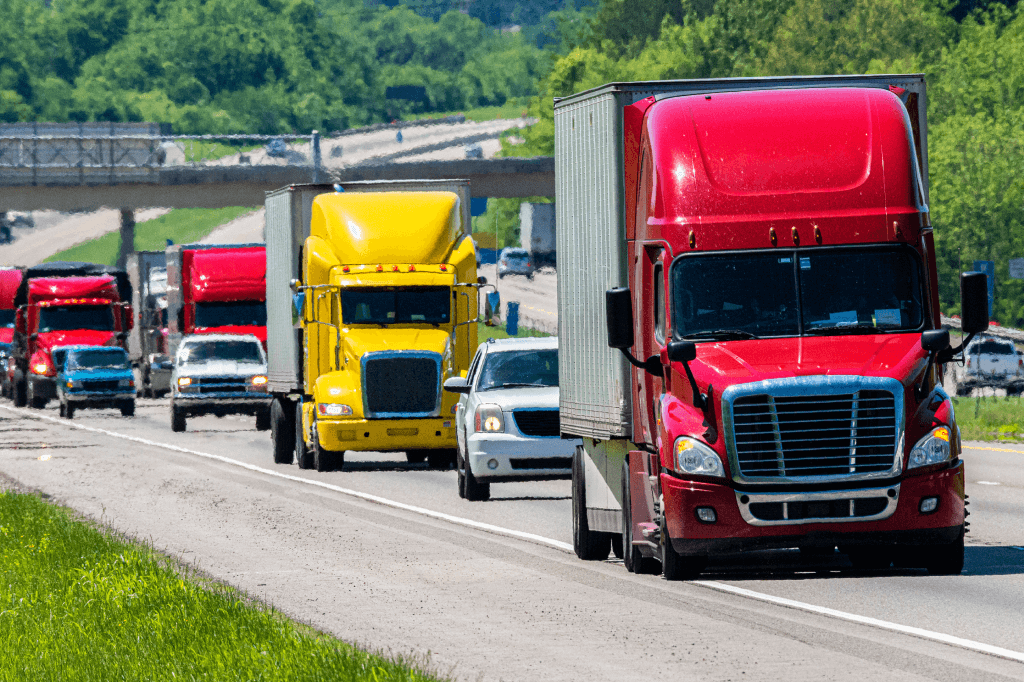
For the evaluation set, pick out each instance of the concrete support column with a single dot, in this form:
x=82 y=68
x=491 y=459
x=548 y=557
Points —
x=127 y=236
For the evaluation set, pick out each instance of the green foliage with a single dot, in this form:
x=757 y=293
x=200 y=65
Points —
x=484 y=332
x=79 y=604
x=990 y=418
x=181 y=226
x=502 y=219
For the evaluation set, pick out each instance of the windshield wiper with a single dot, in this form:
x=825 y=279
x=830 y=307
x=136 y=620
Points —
x=851 y=328
x=515 y=385
x=721 y=334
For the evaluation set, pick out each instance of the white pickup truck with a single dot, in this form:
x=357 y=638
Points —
x=991 y=362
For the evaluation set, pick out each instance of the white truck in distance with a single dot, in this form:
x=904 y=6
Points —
x=990 y=363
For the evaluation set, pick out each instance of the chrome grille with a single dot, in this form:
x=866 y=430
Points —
x=793 y=434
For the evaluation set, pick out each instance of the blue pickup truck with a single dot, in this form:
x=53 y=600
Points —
x=94 y=376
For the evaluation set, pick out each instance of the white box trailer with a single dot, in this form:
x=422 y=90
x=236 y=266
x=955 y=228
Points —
x=595 y=400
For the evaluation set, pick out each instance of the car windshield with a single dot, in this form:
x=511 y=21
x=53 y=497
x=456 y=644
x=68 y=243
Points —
x=519 y=369
x=393 y=305
x=67 y=317
x=98 y=359
x=205 y=351
x=6 y=318
x=784 y=293
x=231 y=314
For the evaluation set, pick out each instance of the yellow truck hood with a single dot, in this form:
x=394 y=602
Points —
x=359 y=340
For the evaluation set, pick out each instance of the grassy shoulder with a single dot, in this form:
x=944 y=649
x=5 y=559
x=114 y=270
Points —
x=993 y=418
x=182 y=226
x=76 y=603
x=512 y=108
x=483 y=332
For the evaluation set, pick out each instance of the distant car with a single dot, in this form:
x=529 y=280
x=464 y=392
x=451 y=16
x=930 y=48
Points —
x=94 y=376
x=507 y=417
x=277 y=148
x=219 y=374
x=515 y=261
x=991 y=362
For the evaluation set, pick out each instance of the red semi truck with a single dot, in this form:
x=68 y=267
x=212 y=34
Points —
x=216 y=289
x=761 y=252
x=10 y=280
x=61 y=304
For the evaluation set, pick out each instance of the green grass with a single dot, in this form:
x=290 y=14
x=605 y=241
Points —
x=483 y=332
x=78 y=604
x=992 y=418
x=197 y=151
x=513 y=108
x=182 y=225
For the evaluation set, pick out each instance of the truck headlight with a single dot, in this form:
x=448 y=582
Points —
x=333 y=409
x=39 y=368
x=693 y=457
x=258 y=380
x=489 y=419
x=932 y=449
x=184 y=381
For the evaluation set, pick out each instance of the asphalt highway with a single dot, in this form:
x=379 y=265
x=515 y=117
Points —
x=385 y=554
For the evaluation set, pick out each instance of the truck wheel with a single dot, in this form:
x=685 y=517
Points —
x=282 y=434
x=632 y=558
x=178 y=422
x=440 y=459
x=34 y=401
x=302 y=453
x=69 y=411
x=128 y=408
x=946 y=559
x=20 y=393
x=415 y=456
x=324 y=459
x=263 y=420
x=676 y=566
x=476 y=491
x=589 y=545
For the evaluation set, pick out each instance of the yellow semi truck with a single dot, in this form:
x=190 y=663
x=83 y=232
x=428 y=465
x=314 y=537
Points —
x=372 y=300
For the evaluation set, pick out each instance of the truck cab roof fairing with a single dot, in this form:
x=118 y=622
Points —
x=229 y=274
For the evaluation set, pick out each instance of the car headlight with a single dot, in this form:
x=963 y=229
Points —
x=184 y=381
x=333 y=409
x=932 y=449
x=693 y=457
x=258 y=380
x=70 y=383
x=489 y=419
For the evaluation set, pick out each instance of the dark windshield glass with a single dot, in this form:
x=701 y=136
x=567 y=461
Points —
x=519 y=368
x=992 y=348
x=231 y=314
x=237 y=351
x=740 y=296
x=6 y=318
x=95 y=359
x=67 y=317
x=390 y=306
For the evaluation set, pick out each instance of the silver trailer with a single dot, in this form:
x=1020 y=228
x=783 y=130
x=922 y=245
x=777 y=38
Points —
x=289 y=212
x=537 y=232
x=147 y=344
x=595 y=400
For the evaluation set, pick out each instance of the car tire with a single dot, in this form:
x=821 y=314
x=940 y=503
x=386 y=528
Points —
x=282 y=433
x=178 y=419
x=945 y=559
x=675 y=566
x=476 y=490
x=324 y=459
x=632 y=558
x=20 y=393
x=127 y=408
x=263 y=420
x=415 y=456
x=303 y=455
x=460 y=466
x=589 y=545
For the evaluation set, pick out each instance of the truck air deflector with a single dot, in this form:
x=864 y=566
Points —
x=815 y=429
x=401 y=384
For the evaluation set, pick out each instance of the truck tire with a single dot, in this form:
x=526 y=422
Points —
x=178 y=420
x=632 y=558
x=263 y=420
x=476 y=491
x=589 y=545
x=282 y=433
x=302 y=454
x=34 y=401
x=440 y=459
x=324 y=459
x=415 y=456
x=127 y=408
x=69 y=411
x=20 y=393
x=676 y=566
x=945 y=559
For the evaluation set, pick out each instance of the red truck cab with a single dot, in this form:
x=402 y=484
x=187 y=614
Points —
x=62 y=304
x=779 y=308
x=10 y=280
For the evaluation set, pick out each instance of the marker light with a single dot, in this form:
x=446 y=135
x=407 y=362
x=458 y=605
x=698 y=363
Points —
x=380 y=268
x=412 y=268
x=444 y=268
x=394 y=268
x=258 y=380
x=184 y=381
x=70 y=383
x=932 y=449
x=333 y=409
x=693 y=457
x=344 y=268
x=489 y=419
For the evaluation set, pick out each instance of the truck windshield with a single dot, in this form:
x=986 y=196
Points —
x=59 y=318
x=393 y=305
x=96 y=359
x=519 y=369
x=6 y=318
x=824 y=291
x=232 y=314
x=235 y=351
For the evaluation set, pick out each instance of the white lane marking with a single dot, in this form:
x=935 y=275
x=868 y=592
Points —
x=564 y=546
x=988 y=483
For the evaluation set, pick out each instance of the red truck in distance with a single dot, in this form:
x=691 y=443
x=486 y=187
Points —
x=761 y=252
x=10 y=280
x=216 y=289
x=61 y=304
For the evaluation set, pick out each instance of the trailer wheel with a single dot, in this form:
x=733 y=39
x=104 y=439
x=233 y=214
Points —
x=632 y=558
x=20 y=393
x=946 y=559
x=302 y=454
x=178 y=420
x=589 y=545
x=282 y=433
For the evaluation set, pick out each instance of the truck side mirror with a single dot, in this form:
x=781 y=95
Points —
x=682 y=351
x=618 y=305
x=457 y=385
x=935 y=340
x=973 y=302
x=181 y=320
x=481 y=280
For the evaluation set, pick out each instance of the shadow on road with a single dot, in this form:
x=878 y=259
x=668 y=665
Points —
x=531 y=498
